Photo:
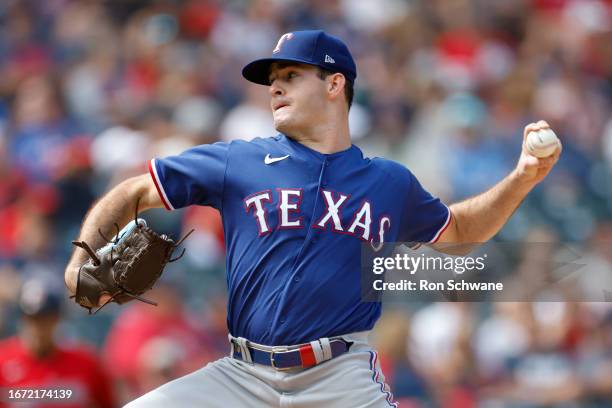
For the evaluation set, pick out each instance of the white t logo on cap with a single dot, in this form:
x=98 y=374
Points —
x=280 y=42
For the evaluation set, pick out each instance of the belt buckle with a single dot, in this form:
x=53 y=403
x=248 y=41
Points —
x=272 y=361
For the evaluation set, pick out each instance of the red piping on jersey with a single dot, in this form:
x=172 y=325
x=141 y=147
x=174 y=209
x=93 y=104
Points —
x=157 y=186
x=444 y=227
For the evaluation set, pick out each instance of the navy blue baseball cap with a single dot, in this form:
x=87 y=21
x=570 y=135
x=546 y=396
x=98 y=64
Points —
x=313 y=47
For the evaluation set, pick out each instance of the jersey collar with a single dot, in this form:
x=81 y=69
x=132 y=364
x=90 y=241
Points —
x=351 y=152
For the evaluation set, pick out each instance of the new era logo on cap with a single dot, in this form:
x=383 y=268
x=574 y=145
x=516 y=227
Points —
x=329 y=59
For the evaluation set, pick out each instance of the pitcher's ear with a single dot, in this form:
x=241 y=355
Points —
x=335 y=83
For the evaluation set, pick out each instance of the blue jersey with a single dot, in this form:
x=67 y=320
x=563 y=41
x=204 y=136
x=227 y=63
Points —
x=294 y=221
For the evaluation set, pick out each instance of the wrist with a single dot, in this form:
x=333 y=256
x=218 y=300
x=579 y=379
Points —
x=521 y=181
x=71 y=276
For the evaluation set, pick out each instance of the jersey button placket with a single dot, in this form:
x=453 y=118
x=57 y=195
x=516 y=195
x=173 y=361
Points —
x=324 y=178
x=314 y=237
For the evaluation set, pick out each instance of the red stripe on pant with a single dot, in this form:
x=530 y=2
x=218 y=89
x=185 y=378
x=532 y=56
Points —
x=307 y=356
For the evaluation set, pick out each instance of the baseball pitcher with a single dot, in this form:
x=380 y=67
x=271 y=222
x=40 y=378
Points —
x=296 y=208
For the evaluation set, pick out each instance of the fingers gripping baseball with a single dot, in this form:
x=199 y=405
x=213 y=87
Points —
x=540 y=152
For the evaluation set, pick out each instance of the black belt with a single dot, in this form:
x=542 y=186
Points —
x=290 y=357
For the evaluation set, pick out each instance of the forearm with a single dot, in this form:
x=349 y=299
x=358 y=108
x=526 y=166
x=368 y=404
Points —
x=479 y=218
x=117 y=206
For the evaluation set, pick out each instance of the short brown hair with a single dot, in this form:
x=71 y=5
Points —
x=348 y=85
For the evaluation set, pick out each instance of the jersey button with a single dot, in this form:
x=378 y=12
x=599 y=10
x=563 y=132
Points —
x=296 y=279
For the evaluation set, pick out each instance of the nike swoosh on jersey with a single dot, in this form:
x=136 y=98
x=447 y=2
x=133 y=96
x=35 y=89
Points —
x=270 y=160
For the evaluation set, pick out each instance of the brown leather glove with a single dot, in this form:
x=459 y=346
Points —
x=125 y=268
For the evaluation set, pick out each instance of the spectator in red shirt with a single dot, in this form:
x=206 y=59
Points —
x=34 y=359
x=148 y=346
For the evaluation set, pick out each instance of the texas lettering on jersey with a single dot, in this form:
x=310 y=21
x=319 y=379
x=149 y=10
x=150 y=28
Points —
x=289 y=215
x=294 y=223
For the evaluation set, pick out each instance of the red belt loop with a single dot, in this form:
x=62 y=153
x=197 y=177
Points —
x=307 y=356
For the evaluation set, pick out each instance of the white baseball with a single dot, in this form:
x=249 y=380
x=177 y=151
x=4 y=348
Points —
x=542 y=143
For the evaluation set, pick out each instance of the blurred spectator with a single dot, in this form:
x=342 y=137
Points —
x=148 y=346
x=43 y=143
x=440 y=350
x=36 y=358
x=250 y=119
x=407 y=385
x=595 y=282
x=546 y=375
x=595 y=363
x=500 y=339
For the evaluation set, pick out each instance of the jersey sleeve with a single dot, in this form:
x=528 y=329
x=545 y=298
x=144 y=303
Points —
x=196 y=176
x=425 y=217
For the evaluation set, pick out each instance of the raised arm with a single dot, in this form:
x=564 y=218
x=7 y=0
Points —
x=478 y=219
x=116 y=206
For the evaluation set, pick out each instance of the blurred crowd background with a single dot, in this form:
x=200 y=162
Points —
x=91 y=90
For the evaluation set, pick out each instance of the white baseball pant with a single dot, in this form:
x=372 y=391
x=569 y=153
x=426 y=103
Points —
x=353 y=379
